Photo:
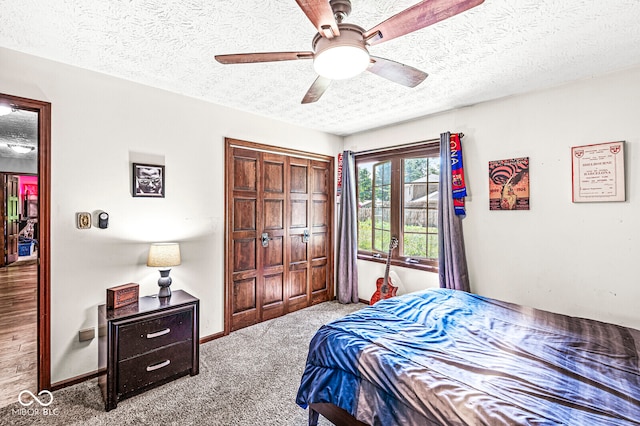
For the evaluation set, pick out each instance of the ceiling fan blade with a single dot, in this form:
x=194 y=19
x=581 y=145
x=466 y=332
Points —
x=316 y=90
x=418 y=16
x=396 y=72
x=248 y=58
x=321 y=16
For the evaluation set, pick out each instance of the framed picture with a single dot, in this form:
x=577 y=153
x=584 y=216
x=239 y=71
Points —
x=598 y=172
x=509 y=184
x=148 y=180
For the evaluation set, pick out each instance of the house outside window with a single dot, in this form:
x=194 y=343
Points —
x=398 y=196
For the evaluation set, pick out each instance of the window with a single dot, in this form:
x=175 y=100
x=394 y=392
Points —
x=398 y=196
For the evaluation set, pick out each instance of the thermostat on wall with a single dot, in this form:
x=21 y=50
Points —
x=103 y=220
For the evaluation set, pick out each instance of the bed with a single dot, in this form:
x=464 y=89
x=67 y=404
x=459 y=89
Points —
x=446 y=357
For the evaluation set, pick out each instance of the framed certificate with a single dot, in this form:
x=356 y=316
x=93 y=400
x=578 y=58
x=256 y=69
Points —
x=598 y=172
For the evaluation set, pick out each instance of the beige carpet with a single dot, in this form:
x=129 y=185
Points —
x=250 y=377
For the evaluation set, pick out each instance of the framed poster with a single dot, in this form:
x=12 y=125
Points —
x=148 y=180
x=598 y=172
x=509 y=184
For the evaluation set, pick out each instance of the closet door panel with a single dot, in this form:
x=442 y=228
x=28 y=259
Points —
x=243 y=271
x=320 y=258
x=273 y=196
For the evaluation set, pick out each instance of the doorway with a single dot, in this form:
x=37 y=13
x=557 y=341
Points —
x=279 y=232
x=25 y=128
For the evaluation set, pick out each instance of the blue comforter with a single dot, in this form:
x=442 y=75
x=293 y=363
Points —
x=445 y=357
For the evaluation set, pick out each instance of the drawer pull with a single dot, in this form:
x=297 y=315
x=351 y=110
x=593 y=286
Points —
x=159 y=333
x=158 y=366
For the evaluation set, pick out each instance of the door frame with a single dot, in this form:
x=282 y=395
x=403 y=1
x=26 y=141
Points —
x=231 y=143
x=44 y=243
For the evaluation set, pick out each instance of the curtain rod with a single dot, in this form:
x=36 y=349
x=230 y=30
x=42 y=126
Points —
x=405 y=145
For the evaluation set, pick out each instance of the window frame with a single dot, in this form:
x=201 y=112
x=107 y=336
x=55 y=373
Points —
x=396 y=156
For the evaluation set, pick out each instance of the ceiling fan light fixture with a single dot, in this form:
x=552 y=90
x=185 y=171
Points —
x=341 y=62
x=341 y=57
x=21 y=149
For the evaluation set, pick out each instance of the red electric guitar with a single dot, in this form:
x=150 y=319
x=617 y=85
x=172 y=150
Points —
x=384 y=287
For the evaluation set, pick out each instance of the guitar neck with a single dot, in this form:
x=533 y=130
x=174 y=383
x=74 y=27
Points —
x=386 y=271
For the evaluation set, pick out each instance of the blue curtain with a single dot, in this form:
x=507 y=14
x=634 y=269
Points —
x=452 y=259
x=347 y=285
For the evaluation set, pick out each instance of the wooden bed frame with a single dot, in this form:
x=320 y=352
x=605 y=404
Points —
x=333 y=413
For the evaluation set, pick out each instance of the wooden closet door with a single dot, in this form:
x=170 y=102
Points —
x=243 y=269
x=321 y=244
x=273 y=211
x=298 y=247
x=279 y=215
x=310 y=254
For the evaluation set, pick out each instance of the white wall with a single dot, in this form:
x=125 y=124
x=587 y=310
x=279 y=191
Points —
x=99 y=125
x=570 y=258
x=577 y=259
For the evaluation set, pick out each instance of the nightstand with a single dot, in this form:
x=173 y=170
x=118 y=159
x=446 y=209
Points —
x=147 y=344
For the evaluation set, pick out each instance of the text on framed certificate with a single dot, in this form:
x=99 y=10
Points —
x=598 y=172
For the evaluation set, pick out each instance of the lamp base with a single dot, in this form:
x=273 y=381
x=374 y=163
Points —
x=164 y=283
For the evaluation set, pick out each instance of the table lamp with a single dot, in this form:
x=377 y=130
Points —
x=163 y=256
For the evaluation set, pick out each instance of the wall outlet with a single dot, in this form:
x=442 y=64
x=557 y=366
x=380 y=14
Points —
x=86 y=334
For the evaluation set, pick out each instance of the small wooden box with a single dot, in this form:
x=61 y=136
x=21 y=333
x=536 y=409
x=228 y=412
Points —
x=122 y=295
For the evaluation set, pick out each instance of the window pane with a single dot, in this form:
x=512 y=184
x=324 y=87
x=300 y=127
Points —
x=415 y=170
x=433 y=168
x=415 y=245
x=415 y=206
x=381 y=204
x=382 y=173
x=415 y=220
x=386 y=240
x=382 y=239
x=365 y=210
x=433 y=246
x=432 y=207
x=364 y=234
x=364 y=182
x=386 y=219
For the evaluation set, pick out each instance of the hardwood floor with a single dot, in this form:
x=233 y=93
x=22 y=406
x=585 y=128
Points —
x=18 y=331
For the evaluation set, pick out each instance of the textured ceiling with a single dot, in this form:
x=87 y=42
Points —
x=497 y=49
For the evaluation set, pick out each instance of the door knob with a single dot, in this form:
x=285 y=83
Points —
x=265 y=240
x=305 y=236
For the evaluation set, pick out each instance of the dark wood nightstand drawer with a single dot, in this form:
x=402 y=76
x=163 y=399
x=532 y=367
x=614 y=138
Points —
x=145 y=336
x=147 y=344
x=144 y=370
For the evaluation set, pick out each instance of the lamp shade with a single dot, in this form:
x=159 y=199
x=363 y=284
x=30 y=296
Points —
x=164 y=255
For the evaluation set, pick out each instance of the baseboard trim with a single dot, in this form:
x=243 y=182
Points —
x=366 y=302
x=211 y=337
x=75 y=380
